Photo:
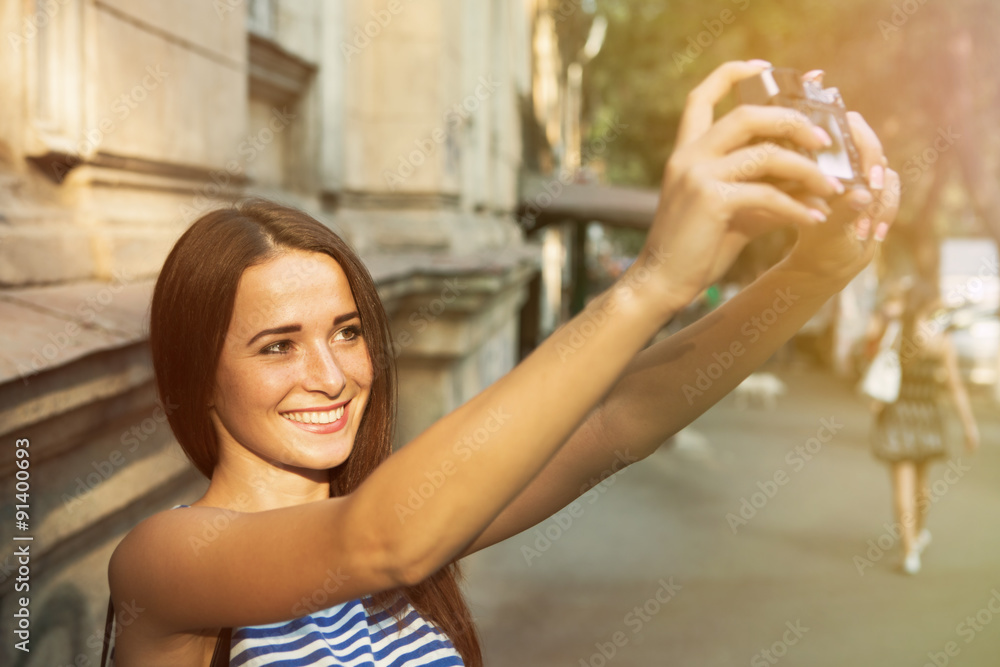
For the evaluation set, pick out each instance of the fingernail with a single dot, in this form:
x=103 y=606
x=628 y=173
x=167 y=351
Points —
x=759 y=63
x=876 y=177
x=817 y=215
x=822 y=135
x=814 y=75
x=881 y=231
x=834 y=182
x=864 y=226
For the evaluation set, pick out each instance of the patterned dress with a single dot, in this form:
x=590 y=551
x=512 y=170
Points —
x=912 y=428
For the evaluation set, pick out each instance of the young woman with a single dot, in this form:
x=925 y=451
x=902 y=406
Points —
x=268 y=332
x=909 y=434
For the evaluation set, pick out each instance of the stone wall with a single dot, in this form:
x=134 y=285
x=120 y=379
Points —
x=395 y=123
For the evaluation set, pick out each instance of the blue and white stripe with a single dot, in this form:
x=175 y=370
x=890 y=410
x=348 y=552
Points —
x=345 y=636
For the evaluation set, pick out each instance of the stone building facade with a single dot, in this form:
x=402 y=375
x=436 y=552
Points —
x=396 y=122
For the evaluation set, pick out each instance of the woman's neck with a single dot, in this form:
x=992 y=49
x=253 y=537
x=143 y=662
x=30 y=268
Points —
x=246 y=483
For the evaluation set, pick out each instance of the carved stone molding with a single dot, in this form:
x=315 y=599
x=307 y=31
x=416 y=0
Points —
x=276 y=76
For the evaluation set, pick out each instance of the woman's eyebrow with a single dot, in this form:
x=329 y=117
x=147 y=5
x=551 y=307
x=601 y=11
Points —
x=345 y=317
x=290 y=328
x=293 y=328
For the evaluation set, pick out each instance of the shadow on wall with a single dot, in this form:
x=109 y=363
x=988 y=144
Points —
x=62 y=628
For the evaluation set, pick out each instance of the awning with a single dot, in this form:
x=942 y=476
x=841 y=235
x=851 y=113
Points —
x=548 y=200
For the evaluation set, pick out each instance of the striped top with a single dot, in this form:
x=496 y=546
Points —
x=345 y=635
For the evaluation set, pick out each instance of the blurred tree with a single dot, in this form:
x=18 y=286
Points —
x=923 y=74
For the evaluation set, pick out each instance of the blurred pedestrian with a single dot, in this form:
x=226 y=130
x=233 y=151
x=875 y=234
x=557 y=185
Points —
x=909 y=434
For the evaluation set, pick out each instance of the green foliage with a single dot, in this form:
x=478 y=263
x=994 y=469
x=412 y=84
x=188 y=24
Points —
x=897 y=62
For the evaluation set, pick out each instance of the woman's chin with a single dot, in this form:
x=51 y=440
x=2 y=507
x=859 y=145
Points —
x=324 y=460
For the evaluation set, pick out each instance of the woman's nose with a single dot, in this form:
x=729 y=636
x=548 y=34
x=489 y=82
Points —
x=324 y=372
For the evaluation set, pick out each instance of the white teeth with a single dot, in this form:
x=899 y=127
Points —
x=315 y=417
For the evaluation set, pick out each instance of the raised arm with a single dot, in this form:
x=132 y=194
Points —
x=472 y=463
x=668 y=385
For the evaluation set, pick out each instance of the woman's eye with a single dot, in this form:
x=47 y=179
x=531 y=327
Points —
x=349 y=333
x=281 y=347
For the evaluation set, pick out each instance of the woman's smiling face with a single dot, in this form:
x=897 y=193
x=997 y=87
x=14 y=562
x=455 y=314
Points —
x=294 y=375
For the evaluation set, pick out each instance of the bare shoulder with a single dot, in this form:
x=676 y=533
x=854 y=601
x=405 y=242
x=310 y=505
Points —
x=150 y=553
x=205 y=567
x=165 y=529
x=148 y=567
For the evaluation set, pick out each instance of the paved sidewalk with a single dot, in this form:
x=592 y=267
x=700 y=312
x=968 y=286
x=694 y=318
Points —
x=652 y=572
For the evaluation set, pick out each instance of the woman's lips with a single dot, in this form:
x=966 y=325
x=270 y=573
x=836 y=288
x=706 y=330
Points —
x=312 y=420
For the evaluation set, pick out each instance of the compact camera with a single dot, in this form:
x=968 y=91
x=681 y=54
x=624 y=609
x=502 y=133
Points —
x=784 y=87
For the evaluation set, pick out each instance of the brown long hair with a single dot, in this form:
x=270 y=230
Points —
x=919 y=298
x=191 y=309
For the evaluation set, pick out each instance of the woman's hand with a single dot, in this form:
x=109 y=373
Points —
x=864 y=212
x=715 y=173
x=859 y=220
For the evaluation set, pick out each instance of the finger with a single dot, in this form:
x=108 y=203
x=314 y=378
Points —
x=877 y=218
x=699 y=110
x=889 y=199
x=818 y=203
x=748 y=122
x=770 y=201
x=814 y=76
x=869 y=147
x=770 y=160
x=859 y=198
x=863 y=228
